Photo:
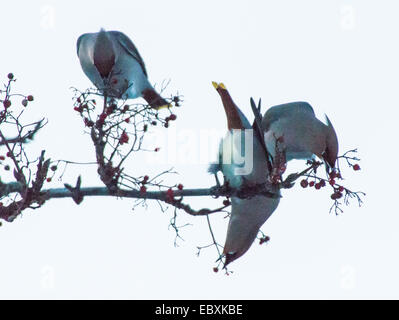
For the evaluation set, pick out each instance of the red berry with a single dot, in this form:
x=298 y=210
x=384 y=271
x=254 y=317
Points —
x=169 y=194
x=53 y=168
x=145 y=179
x=332 y=182
x=24 y=102
x=180 y=186
x=172 y=117
x=143 y=189
x=88 y=123
x=341 y=189
x=317 y=186
x=226 y=202
x=157 y=149
x=311 y=183
x=48 y=179
x=30 y=98
x=356 y=167
x=127 y=120
x=333 y=174
x=2 y=158
x=124 y=138
x=10 y=76
x=215 y=269
x=6 y=103
x=102 y=117
x=8 y=154
x=304 y=183
x=336 y=195
x=322 y=183
x=264 y=239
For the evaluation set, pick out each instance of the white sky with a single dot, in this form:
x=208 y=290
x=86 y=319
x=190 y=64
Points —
x=340 y=56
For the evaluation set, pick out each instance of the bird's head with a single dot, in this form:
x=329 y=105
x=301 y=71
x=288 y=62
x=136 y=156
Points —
x=242 y=246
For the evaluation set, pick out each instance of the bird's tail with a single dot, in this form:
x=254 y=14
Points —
x=235 y=118
x=331 y=152
x=154 y=99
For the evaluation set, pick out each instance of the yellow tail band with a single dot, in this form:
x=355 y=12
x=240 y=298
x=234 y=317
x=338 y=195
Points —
x=218 y=85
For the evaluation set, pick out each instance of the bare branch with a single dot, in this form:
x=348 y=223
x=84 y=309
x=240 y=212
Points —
x=26 y=137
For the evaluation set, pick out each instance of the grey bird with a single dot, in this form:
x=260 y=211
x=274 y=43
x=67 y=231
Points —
x=303 y=134
x=249 y=214
x=111 y=61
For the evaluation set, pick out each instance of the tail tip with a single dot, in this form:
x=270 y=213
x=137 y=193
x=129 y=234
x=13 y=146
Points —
x=218 y=85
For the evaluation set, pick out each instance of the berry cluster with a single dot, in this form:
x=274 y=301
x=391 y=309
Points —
x=172 y=117
x=334 y=175
x=7 y=99
x=264 y=239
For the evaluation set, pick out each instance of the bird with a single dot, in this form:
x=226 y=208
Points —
x=113 y=64
x=302 y=133
x=249 y=214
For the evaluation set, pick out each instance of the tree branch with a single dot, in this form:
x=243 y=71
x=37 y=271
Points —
x=165 y=196
x=26 y=137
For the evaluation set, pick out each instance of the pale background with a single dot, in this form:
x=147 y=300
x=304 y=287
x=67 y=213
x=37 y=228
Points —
x=341 y=56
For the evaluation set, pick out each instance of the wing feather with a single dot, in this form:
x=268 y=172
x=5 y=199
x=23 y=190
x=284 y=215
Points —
x=129 y=47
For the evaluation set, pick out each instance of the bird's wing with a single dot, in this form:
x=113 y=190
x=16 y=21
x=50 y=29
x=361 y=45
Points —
x=80 y=41
x=129 y=47
x=258 y=117
x=286 y=110
x=257 y=126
